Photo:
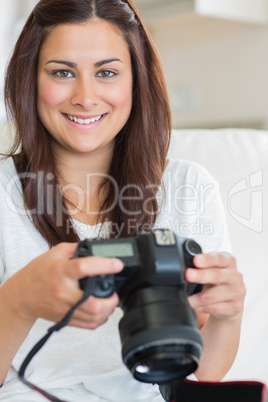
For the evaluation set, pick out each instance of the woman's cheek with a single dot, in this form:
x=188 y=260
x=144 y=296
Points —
x=51 y=95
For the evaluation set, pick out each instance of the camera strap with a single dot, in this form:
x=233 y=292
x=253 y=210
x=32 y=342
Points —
x=56 y=327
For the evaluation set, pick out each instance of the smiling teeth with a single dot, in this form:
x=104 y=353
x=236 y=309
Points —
x=83 y=121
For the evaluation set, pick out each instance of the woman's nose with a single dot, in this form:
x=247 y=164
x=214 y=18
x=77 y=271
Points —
x=84 y=94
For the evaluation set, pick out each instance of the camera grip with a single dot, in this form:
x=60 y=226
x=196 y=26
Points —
x=98 y=286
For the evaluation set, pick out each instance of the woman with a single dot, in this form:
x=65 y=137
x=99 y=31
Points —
x=86 y=93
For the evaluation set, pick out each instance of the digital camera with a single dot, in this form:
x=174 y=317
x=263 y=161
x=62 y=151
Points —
x=159 y=331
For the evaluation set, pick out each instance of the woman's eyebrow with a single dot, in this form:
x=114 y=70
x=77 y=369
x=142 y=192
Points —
x=67 y=63
x=106 y=61
x=73 y=65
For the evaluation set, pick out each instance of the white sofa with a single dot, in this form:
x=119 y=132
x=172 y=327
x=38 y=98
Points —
x=239 y=161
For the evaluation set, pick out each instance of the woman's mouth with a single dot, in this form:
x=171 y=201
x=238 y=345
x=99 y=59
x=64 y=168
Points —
x=84 y=121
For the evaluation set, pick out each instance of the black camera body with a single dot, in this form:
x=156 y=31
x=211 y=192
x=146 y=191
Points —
x=159 y=332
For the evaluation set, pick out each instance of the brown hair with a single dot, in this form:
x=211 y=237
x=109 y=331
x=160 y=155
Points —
x=140 y=147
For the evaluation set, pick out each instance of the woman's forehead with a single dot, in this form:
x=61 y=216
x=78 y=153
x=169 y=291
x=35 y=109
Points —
x=87 y=38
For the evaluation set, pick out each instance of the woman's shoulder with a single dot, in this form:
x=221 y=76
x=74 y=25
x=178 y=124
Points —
x=187 y=171
x=7 y=168
x=8 y=176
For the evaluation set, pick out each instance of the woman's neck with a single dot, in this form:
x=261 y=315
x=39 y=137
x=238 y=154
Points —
x=81 y=177
x=76 y=168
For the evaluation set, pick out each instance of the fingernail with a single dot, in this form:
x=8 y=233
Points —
x=118 y=264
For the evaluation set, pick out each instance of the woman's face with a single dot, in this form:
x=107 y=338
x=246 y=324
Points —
x=84 y=86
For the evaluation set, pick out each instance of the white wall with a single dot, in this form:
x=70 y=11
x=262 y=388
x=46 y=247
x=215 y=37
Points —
x=12 y=17
x=239 y=10
x=216 y=71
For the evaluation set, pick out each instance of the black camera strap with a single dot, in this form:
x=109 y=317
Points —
x=56 y=327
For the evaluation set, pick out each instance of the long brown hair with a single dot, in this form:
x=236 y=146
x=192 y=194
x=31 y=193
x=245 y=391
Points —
x=141 y=146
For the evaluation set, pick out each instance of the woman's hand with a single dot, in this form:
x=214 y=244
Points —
x=224 y=289
x=223 y=300
x=49 y=286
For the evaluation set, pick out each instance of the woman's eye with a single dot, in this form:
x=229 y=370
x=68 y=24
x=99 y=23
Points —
x=63 y=74
x=106 y=74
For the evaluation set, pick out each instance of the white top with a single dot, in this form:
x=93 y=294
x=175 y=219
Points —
x=84 y=365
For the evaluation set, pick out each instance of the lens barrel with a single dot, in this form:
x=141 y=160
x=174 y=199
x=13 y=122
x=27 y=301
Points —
x=160 y=335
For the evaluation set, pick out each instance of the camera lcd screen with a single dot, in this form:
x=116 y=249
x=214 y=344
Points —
x=113 y=250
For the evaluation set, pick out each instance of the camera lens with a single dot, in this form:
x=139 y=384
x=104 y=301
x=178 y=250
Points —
x=160 y=364
x=160 y=370
x=160 y=336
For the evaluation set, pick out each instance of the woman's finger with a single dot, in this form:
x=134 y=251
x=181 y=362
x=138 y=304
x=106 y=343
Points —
x=78 y=268
x=213 y=276
x=216 y=295
x=215 y=259
x=95 y=306
x=221 y=310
